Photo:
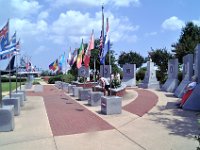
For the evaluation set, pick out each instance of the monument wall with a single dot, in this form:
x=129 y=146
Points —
x=129 y=75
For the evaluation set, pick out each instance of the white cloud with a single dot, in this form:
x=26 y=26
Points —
x=74 y=25
x=40 y=49
x=43 y=15
x=25 y=7
x=119 y=3
x=173 y=23
x=126 y=3
x=27 y=29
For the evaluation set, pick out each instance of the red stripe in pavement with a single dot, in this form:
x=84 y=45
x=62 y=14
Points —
x=66 y=116
x=145 y=101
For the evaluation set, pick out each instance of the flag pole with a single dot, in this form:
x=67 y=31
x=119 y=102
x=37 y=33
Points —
x=16 y=72
x=20 y=67
x=103 y=36
x=109 y=61
x=1 y=105
x=10 y=90
x=94 y=69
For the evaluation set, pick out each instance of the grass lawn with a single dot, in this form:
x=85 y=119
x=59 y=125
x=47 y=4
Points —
x=5 y=86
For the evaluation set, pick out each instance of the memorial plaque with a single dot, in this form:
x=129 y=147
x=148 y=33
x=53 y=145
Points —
x=172 y=81
x=105 y=71
x=83 y=72
x=129 y=74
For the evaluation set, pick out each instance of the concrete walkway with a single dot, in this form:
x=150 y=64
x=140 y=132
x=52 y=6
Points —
x=163 y=128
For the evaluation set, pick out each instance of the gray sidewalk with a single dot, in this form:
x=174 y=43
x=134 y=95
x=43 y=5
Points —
x=166 y=128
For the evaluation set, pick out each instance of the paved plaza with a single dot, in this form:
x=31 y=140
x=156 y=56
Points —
x=55 y=120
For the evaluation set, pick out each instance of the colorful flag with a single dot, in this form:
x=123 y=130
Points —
x=88 y=51
x=17 y=48
x=51 y=66
x=6 y=55
x=12 y=44
x=69 y=56
x=74 y=57
x=61 y=62
x=106 y=44
x=4 y=37
x=80 y=53
x=55 y=65
x=11 y=49
x=28 y=66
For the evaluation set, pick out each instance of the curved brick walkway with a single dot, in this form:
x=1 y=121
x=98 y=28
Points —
x=145 y=101
x=66 y=116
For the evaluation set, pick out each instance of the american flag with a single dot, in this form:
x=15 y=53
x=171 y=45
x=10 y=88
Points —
x=4 y=37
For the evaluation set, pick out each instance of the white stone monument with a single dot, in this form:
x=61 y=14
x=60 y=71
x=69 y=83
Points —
x=193 y=102
x=84 y=72
x=150 y=80
x=105 y=71
x=172 y=81
x=187 y=75
x=129 y=75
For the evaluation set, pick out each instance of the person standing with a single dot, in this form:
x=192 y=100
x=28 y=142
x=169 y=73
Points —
x=105 y=84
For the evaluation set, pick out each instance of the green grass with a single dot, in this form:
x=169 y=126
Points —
x=5 y=86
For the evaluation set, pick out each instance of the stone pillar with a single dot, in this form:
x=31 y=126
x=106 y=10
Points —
x=84 y=72
x=129 y=75
x=172 y=81
x=111 y=105
x=193 y=102
x=7 y=118
x=106 y=71
x=187 y=75
x=150 y=80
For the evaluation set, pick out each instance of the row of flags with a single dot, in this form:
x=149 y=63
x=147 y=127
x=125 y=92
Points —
x=59 y=64
x=8 y=47
x=77 y=54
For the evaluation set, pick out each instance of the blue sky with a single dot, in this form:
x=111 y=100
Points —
x=48 y=28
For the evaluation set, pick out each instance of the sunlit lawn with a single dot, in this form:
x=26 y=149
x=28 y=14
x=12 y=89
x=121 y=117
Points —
x=5 y=86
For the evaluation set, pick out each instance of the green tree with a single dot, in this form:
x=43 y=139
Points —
x=189 y=38
x=160 y=57
x=131 y=58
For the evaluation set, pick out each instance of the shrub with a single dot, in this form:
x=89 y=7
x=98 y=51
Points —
x=65 y=78
x=115 y=83
x=162 y=77
x=68 y=78
x=51 y=80
x=140 y=74
x=35 y=82
x=180 y=76
x=81 y=79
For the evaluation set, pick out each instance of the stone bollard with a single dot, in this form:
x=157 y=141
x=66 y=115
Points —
x=84 y=94
x=70 y=88
x=7 y=118
x=111 y=105
x=15 y=102
x=20 y=95
x=95 y=98
x=76 y=91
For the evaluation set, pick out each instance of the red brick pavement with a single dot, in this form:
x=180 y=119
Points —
x=66 y=116
x=145 y=101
